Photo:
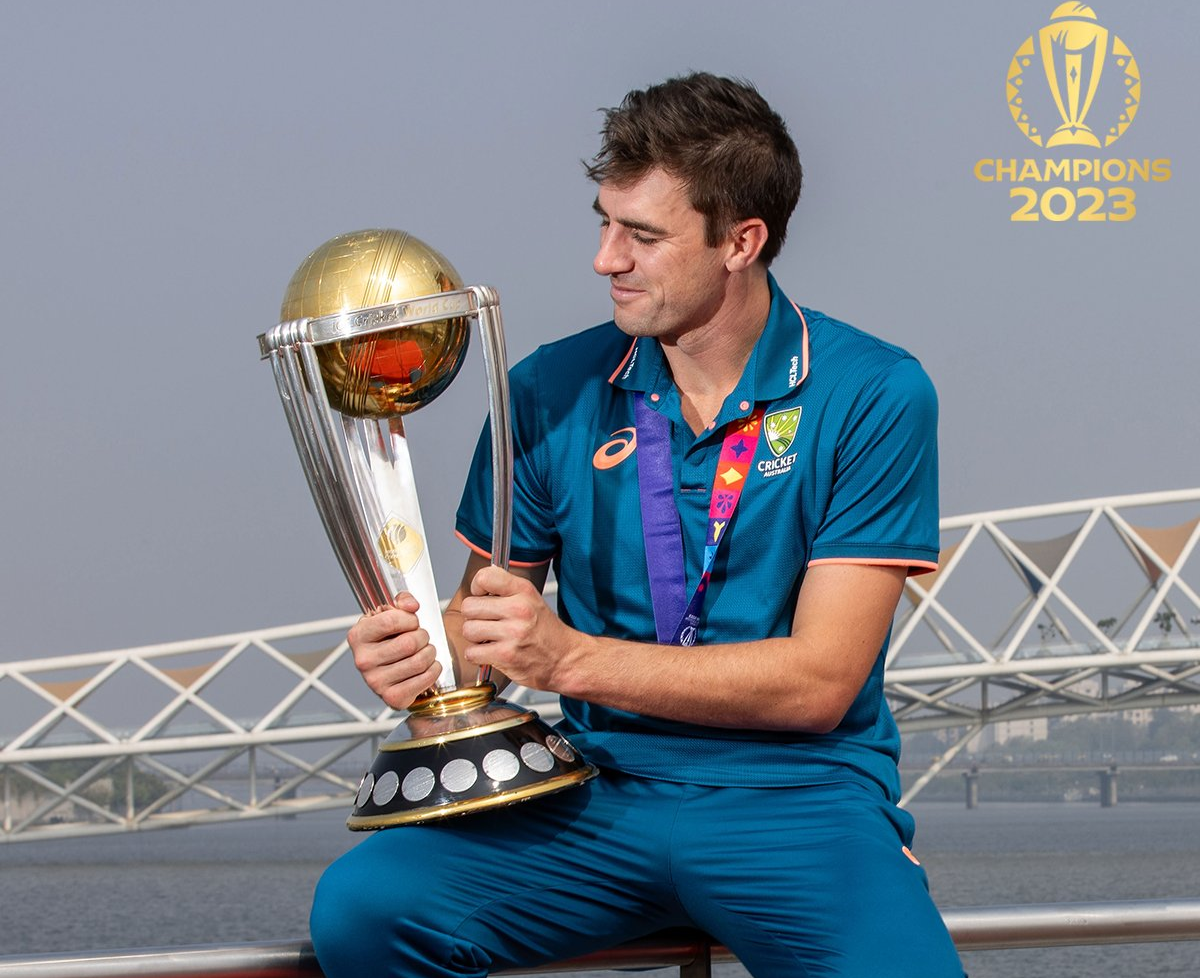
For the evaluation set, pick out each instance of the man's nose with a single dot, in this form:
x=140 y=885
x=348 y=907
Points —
x=612 y=257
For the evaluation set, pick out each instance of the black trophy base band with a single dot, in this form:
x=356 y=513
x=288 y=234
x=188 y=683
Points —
x=500 y=764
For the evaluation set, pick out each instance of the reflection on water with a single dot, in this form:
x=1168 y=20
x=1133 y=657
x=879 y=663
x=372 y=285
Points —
x=252 y=881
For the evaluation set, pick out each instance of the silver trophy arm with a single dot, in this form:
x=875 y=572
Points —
x=491 y=332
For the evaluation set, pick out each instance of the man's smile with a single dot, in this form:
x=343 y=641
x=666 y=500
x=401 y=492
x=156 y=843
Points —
x=621 y=291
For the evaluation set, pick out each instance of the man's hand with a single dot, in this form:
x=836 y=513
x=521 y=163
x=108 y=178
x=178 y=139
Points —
x=508 y=625
x=393 y=653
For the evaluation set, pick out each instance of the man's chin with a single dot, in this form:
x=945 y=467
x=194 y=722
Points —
x=631 y=325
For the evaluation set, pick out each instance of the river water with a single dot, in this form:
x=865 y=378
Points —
x=252 y=881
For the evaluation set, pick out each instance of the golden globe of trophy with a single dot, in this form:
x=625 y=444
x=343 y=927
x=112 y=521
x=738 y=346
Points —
x=375 y=324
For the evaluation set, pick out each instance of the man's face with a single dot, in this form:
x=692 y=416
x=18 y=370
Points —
x=665 y=280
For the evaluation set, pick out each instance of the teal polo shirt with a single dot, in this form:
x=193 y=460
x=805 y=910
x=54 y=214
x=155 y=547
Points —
x=845 y=471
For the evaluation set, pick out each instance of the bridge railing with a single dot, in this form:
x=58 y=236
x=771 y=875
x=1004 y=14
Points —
x=973 y=929
x=154 y=737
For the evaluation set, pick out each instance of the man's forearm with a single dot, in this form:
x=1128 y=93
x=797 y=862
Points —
x=754 y=685
x=805 y=681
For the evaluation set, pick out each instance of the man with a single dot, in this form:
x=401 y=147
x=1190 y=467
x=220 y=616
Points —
x=742 y=480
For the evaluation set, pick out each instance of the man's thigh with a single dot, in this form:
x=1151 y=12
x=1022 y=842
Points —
x=812 y=881
x=541 y=881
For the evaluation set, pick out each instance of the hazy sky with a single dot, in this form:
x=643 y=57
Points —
x=168 y=165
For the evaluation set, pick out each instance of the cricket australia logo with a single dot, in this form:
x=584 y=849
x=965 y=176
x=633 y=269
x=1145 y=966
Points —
x=780 y=428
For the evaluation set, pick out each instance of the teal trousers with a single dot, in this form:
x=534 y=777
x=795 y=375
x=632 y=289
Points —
x=805 y=881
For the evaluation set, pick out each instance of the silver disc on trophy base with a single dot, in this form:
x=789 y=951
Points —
x=375 y=324
x=489 y=753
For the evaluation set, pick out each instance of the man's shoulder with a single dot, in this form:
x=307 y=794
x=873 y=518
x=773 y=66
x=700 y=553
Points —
x=594 y=352
x=835 y=340
x=859 y=371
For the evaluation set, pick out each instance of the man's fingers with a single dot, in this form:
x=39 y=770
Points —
x=398 y=691
x=393 y=653
x=497 y=581
x=382 y=625
x=483 y=608
x=501 y=596
x=422 y=665
x=484 y=628
x=406 y=602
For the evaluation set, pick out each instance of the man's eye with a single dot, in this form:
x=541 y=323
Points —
x=642 y=239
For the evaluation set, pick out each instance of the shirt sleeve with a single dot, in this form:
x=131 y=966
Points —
x=534 y=535
x=883 y=502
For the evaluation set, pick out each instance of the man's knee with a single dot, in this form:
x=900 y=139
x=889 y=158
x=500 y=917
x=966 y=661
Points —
x=378 y=916
x=334 y=904
x=350 y=923
x=344 y=916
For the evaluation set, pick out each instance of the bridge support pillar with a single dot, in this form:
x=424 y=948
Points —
x=1108 y=787
x=971 y=781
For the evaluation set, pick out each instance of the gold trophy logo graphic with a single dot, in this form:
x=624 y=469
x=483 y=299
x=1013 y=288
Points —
x=1074 y=50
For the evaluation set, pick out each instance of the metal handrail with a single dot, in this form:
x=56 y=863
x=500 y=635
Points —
x=973 y=929
x=943 y=674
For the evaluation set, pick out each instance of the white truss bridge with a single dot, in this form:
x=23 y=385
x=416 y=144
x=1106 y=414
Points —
x=1043 y=611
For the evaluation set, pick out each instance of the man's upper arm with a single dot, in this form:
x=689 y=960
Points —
x=883 y=497
x=880 y=526
x=842 y=617
x=534 y=534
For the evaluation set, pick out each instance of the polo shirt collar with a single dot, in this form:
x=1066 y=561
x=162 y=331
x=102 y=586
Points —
x=778 y=363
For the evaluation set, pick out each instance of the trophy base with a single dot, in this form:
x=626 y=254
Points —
x=460 y=751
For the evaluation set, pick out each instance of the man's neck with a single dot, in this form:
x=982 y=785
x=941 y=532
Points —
x=707 y=362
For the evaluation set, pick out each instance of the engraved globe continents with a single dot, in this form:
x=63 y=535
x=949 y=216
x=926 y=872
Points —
x=388 y=373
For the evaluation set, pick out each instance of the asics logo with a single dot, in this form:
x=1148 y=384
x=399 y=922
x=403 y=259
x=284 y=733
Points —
x=614 y=452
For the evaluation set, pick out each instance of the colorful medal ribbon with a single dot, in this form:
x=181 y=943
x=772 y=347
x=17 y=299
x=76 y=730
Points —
x=660 y=516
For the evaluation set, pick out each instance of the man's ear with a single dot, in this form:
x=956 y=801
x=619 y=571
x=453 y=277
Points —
x=746 y=242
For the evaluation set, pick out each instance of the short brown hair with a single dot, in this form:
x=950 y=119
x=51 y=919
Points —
x=720 y=137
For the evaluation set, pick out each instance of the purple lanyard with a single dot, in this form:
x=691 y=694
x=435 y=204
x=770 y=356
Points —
x=676 y=619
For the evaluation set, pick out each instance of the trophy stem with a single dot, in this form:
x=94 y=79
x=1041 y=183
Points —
x=448 y=702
